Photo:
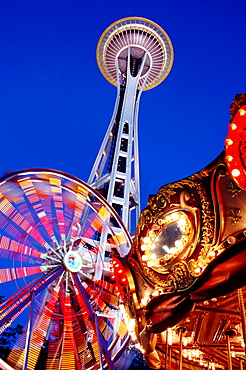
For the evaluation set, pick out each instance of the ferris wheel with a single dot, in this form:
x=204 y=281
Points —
x=57 y=235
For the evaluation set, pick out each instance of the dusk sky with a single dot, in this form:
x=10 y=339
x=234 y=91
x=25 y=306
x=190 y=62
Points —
x=55 y=105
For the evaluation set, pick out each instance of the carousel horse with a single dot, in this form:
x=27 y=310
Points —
x=190 y=242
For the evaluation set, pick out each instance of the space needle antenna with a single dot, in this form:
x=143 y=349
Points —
x=134 y=54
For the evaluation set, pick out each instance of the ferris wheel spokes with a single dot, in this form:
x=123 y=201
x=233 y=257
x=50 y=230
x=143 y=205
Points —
x=94 y=320
x=15 y=305
x=52 y=236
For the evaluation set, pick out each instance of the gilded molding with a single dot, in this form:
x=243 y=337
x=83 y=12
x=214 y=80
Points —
x=178 y=275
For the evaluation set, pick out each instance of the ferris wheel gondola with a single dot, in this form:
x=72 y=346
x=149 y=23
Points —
x=56 y=234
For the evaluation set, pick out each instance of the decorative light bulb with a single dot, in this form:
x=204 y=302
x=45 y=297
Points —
x=229 y=158
x=235 y=172
x=175 y=215
x=182 y=222
x=146 y=239
x=144 y=301
x=155 y=293
x=233 y=126
x=229 y=142
x=145 y=258
x=242 y=112
x=193 y=353
x=173 y=250
x=178 y=243
x=150 y=263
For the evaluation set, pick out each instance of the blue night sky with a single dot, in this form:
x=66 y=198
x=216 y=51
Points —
x=55 y=105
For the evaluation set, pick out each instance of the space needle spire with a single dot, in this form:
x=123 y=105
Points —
x=134 y=54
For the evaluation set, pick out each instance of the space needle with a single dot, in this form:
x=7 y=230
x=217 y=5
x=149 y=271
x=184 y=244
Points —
x=134 y=54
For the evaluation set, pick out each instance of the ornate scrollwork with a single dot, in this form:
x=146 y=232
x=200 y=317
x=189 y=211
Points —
x=182 y=275
x=161 y=201
x=145 y=217
x=172 y=199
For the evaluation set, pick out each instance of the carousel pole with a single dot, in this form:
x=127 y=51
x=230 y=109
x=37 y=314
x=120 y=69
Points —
x=166 y=351
x=241 y=363
x=170 y=358
x=240 y=359
x=228 y=334
x=181 y=330
x=242 y=310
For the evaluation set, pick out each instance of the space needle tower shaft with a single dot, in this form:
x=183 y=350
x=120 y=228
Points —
x=134 y=54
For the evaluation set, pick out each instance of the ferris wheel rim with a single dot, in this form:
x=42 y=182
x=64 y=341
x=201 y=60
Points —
x=63 y=271
x=89 y=187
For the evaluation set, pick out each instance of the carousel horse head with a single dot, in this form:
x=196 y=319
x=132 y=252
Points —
x=190 y=243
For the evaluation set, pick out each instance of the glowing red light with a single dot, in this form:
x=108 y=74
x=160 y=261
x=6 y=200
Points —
x=236 y=148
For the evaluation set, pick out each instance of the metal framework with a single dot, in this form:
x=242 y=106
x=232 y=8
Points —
x=134 y=54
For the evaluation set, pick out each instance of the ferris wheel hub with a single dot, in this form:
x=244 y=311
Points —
x=73 y=261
